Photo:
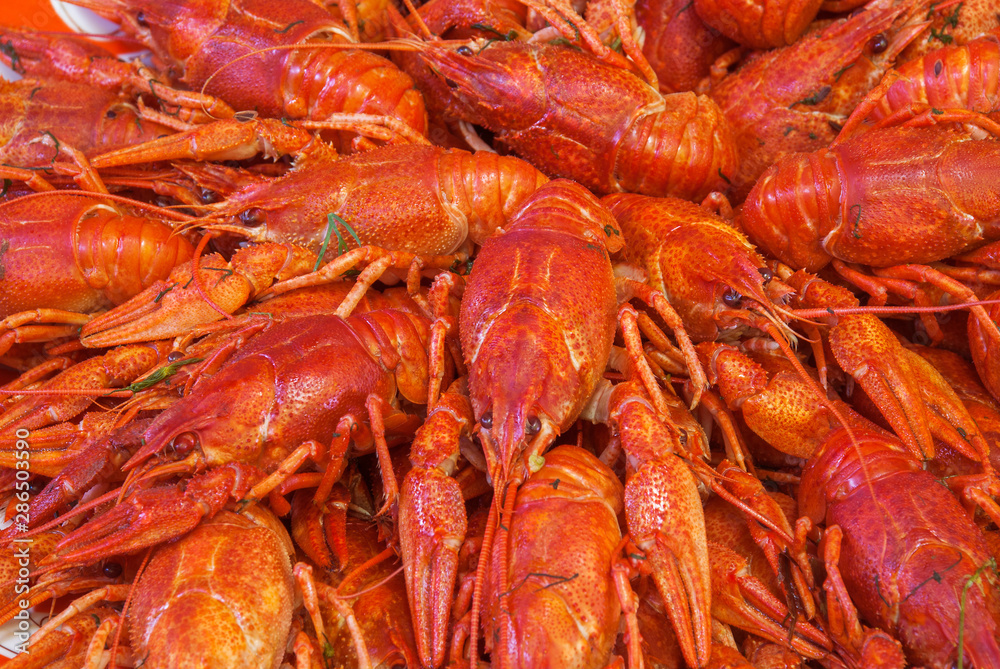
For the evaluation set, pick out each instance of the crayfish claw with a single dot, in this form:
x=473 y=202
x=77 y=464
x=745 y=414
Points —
x=433 y=523
x=675 y=548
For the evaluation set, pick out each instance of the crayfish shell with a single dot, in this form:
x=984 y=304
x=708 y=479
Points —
x=219 y=597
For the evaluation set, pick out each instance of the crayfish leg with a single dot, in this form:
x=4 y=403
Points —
x=869 y=647
x=26 y=326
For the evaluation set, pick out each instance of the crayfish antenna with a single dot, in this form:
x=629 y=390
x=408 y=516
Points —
x=168 y=213
x=477 y=592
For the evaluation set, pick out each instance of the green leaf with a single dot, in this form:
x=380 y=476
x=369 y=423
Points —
x=855 y=211
x=813 y=99
x=158 y=375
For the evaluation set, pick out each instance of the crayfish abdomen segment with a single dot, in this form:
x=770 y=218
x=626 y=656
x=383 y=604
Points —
x=122 y=255
x=573 y=116
x=685 y=151
x=320 y=82
x=793 y=207
x=64 y=252
x=486 y=187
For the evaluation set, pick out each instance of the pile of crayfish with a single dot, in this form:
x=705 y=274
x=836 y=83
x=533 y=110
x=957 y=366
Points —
x=504 y=333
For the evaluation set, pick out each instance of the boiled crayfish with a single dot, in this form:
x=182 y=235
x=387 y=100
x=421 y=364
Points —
x=561 y=494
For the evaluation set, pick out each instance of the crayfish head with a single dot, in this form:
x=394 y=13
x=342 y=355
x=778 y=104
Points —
x=708 y=270
x=745 y=295
x=481 y=76
x=514 y=428
x=526 y=386
x=179 y=443
x=515 y=442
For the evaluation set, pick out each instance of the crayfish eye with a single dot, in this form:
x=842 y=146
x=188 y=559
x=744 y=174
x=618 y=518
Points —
x=35 y=487
x=183 y=443
x=533 y=427
x=464 y=51
x=766 y=274
x=174 y=356
x=208 y=196
x=112 y=569
x=683 y=437
x=253 y=218
x=111 y=113
x=487 y=420
x=879 y=43
x=140 y=18
x=731 y=298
